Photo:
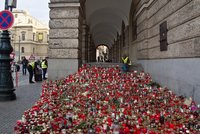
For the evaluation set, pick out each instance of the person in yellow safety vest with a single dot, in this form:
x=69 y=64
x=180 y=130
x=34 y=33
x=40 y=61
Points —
x=31 y=69
x=125 y=61
x=44 y=66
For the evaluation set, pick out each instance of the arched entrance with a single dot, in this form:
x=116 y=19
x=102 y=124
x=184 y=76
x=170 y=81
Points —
x=102 y=53
x=131 y=27
x=77 y=27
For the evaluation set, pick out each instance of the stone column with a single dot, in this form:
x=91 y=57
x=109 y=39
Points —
x=91 y=49
x=84 y=42
x=120 y=46
x=64 y=44
x=110 y=53
x=92 y=52
x=88 y=48
x=115 y=51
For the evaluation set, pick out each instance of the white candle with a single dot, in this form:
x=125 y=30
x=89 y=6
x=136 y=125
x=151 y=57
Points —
x=35 y=113
x=63 y=131
x=113 y=115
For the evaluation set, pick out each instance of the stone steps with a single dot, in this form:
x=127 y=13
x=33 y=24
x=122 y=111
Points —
x=134 y=66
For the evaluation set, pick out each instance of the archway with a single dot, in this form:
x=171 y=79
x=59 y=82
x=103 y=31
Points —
x=102 y=53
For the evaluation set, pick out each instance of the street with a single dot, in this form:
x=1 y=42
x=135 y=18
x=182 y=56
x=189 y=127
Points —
x=20 y=78
x=11 y=111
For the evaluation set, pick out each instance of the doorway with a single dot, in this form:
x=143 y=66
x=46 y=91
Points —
x=102 y=53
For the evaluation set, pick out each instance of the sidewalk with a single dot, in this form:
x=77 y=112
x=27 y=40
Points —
x=12 y=111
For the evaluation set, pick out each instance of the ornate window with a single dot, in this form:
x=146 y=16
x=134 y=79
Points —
x=23 y=36
x=40 y=36
x=22 y=50
x=33 y=36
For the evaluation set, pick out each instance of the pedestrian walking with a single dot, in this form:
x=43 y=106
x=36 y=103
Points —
x=44 y=68
x=24 y=65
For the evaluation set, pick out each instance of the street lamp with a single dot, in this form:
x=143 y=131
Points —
x=6 y=81
x=12 y=4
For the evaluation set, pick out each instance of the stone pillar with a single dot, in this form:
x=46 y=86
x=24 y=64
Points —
x=110 y=53
x=92 y=52
x=84 y=42
x=91 y=49
x=115 y=51
x=120 y=46
x=64 y=44
x=88 y=48
x=112 y=56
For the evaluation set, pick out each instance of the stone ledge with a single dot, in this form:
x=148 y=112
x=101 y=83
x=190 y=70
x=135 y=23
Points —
x=65 y=1
x=64 y=4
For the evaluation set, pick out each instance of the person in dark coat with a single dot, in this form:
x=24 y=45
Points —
x=24 y=65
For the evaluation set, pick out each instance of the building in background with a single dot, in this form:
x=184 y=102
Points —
x=29 y=37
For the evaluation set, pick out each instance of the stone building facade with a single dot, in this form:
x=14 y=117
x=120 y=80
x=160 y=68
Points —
x=162 y=35
x=29 y=36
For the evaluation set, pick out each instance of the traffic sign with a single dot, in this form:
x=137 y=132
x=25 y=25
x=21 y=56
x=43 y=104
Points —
x=6 y=19
x=32 y=57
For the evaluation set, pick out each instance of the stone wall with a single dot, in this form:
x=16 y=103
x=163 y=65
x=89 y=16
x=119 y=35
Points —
x=64 y=38
x=176 y=67
x=182 y=18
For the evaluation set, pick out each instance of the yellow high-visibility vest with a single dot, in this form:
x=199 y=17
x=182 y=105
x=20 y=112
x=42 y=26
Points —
x=44 y=65
x=32 y=64
x=125 y=60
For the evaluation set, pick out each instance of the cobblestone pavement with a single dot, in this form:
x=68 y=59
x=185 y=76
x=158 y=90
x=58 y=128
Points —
x=10 y=111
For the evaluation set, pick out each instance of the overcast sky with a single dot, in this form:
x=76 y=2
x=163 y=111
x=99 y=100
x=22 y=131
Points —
x=37 y=8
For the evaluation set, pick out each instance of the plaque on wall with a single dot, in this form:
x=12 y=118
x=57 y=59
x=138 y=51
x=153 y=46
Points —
x=163 y=36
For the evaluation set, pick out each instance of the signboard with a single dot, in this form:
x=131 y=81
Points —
x=6 y=19
x=32 y=57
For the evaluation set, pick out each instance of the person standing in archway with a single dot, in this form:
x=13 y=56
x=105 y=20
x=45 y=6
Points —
x=126 y=62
